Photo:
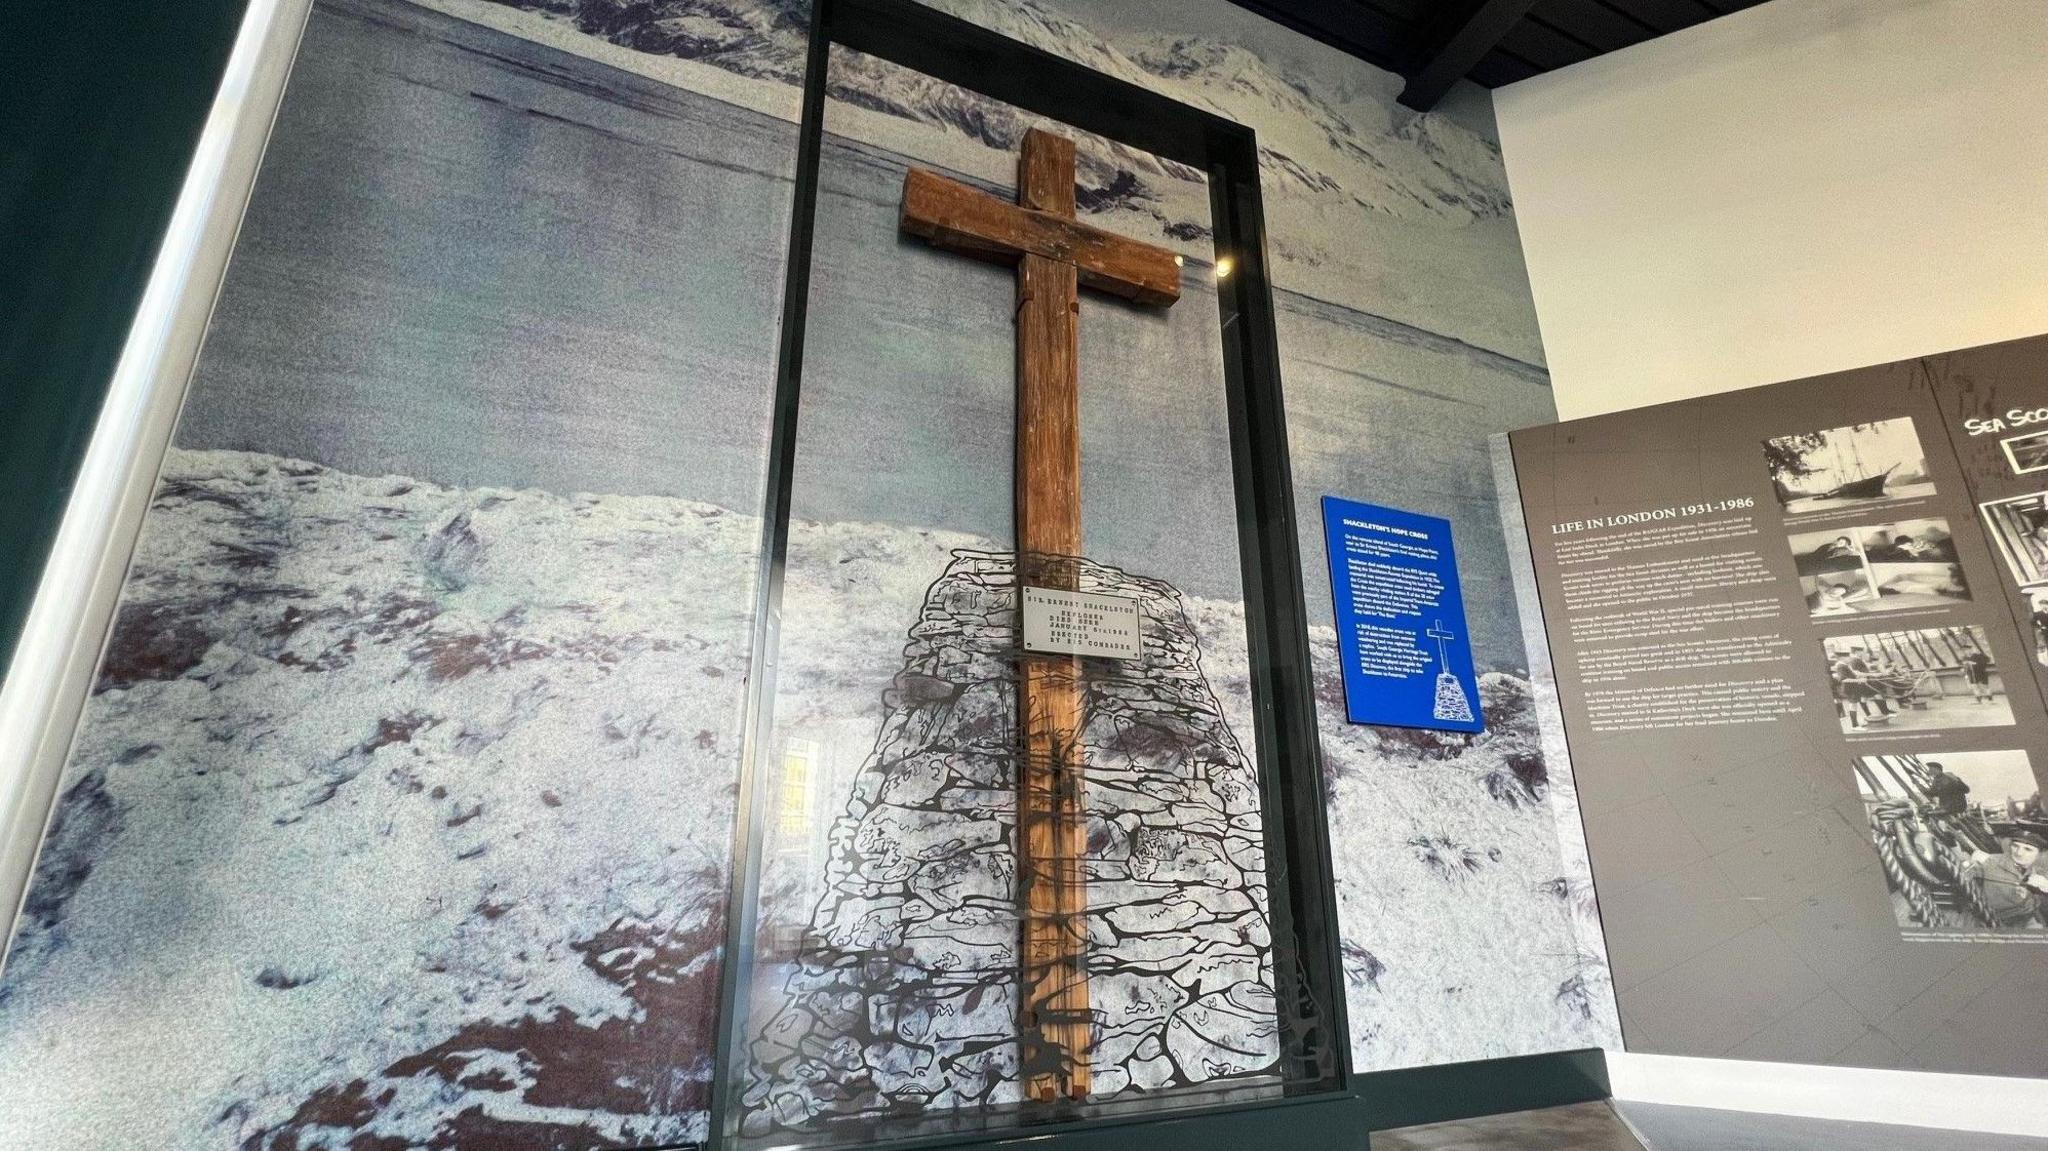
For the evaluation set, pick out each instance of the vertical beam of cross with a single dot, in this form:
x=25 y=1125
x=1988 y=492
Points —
x=1048 y=500
x=1055 y=256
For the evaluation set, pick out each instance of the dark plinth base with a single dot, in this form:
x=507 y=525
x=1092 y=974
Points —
x=1381 y=1102
x=1576 y=1127
x=1333 y=1122
x=1420 y=1095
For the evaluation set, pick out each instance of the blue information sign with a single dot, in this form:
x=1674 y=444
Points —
x=1400 y=618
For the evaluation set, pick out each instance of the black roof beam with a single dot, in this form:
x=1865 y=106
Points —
x=1456 y=45
x=1368 y=33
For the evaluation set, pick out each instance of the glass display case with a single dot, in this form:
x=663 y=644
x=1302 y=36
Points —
x=1033 y=827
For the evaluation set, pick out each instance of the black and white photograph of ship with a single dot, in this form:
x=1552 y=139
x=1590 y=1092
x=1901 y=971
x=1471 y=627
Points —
x=1848 y=467
x=1960 y=836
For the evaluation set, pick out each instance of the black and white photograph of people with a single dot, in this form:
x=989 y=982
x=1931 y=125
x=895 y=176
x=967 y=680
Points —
x=2019 y=532
x=2037 y=618
x=1833 y=575
x=1847 y=467
x=1961 y=835
x=2027 y=453
x=1924 y=679
x=1879 y=567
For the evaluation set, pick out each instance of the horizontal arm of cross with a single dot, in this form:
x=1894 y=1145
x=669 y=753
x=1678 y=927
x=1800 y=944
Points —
x=954 y=216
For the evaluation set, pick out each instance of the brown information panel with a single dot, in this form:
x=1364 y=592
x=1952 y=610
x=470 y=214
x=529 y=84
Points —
x=1799 y=634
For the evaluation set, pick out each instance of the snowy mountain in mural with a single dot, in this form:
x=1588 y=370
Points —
x=1419 y=167
x=1349 y=177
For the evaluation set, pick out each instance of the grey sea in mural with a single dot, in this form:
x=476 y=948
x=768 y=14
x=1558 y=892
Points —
x=400 y=813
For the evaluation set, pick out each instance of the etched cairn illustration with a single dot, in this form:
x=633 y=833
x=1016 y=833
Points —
x=907 y=993
x=1451 y=704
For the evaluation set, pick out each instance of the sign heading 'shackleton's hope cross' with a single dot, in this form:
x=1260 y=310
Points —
x=1054 y=255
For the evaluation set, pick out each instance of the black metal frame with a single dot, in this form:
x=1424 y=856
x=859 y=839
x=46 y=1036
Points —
x=1318 y=1106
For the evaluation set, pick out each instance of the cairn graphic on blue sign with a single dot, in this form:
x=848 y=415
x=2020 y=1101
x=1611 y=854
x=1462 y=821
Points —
x=1451 y=702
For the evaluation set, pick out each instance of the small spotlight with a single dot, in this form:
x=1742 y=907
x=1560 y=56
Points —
x=1178 y=261
x=1224 y=266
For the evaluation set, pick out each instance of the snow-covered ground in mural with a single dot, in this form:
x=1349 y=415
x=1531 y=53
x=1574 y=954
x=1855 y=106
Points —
x=487 y=734
x=1422 y=820
x=1511 y=964
x=1369 y=205
x=398 y=811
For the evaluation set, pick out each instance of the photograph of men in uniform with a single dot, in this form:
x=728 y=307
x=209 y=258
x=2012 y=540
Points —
x=1960 y=838
x=2007 y=884
x=1916 y=680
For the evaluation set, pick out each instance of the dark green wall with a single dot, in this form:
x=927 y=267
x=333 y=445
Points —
x=104 y=105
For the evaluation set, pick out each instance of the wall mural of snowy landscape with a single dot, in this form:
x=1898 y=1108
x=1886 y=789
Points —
x=400 y=816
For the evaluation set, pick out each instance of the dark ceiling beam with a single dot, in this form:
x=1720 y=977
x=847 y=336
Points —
x=1370 y=35
x=1663 y=15
x=1593 y=23
x=1497 y=69
x=1545 y=46
x=1458 y=45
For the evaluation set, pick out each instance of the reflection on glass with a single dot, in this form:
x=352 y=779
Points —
x=1002 y=885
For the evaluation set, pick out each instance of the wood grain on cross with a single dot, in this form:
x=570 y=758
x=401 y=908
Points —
x=1054 y=255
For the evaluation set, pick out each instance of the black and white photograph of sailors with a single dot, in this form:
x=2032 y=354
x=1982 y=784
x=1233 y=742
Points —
x=2019 y=531
x=2026 y=453
x=1847 y=467
x=1880 y=567
x=1919 y=680
x=1961 y=837
x=2037 y=623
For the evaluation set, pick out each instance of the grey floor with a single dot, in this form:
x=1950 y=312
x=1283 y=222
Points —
x=1696 y=1129
x=1596 y=1127
x=1584 y=1127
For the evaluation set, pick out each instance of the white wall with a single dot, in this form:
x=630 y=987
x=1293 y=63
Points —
x=1802 y=187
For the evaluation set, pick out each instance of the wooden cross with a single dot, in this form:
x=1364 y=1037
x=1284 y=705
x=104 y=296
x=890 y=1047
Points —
x=1054 y=255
